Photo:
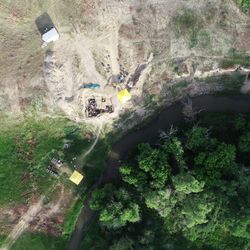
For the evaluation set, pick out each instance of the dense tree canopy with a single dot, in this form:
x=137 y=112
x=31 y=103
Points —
x=190 y=190
x=117 y=207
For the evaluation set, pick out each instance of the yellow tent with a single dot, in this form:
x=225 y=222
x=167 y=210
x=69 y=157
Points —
x=123 y=96
x=76 y=177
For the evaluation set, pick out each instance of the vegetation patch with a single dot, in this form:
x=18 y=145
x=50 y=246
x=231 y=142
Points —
x=244 y=5
x=2 y=239
x=204 y=39
x=177 y=89
x=26 y=149
x=188 y=23
x=230 y=82
x=235 y=58
x=71 y=217
x=29 y=241
x=188 y=190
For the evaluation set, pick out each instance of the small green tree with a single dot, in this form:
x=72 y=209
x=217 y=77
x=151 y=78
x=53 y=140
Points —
x=116 y=207
x=197 y=138
x=195 y=210
x=212 y=165
x=186 y=183
x=242 y=227
x=244 y=143
x=122 y=244
x=152 y=169
x=133 y=176
x=175 y=147
x=100 y=197
x=160 y=201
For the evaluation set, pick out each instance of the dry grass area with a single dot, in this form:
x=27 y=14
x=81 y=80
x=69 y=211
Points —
x=101 y=38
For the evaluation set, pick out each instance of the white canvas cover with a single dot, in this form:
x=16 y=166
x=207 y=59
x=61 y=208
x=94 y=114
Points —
x=50 y=36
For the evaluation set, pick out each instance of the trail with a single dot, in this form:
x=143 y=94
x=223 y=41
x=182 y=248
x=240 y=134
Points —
x=30 y=215
x=83 y=47
x=82 y=157
x=113 y=50
x=23 y=223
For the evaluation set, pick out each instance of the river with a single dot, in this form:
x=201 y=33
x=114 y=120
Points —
x=167 y=117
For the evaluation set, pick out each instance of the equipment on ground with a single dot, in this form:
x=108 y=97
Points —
x=49 y=36
x=90 y=86
x=123 y=96
x=76 y=177
x=94 y=110
x=51 y=169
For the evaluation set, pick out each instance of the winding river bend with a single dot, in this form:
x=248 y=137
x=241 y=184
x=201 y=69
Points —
x=167 y=117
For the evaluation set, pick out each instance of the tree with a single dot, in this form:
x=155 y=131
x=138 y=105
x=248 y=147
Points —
x=133 y=176
x=240 y=123
x=116 y=207
x=242 y=227
x=195 y=210
x=174 y=147
x=124 y=243
x=152 y=169
x=244 y=143
x=116 y=215
x=100 y=197
x=160 y=201
x=197 y=138
x=212 y=165
x=186 y=183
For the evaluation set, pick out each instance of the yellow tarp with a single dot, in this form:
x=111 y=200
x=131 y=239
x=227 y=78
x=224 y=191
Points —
x=123 y=96
x=76 y=177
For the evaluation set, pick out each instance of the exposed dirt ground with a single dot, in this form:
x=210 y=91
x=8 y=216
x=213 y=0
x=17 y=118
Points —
x=99 y=39
x=39 y=215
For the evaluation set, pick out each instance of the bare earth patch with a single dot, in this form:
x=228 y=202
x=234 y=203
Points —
x=99 y=40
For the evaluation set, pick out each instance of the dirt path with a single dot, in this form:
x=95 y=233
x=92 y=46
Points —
x=55 y=207
x=23 y=223
x=32 y=213
x=83 y=156
x=83 y=47
x=113 y=50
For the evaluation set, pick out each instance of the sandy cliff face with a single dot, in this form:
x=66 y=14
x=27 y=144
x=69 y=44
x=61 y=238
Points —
x=102 y=39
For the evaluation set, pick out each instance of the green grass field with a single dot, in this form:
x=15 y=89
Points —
x=30 y=241
x=26 y=148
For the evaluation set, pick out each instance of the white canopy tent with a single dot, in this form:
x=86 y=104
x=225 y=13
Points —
x=50 y=36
